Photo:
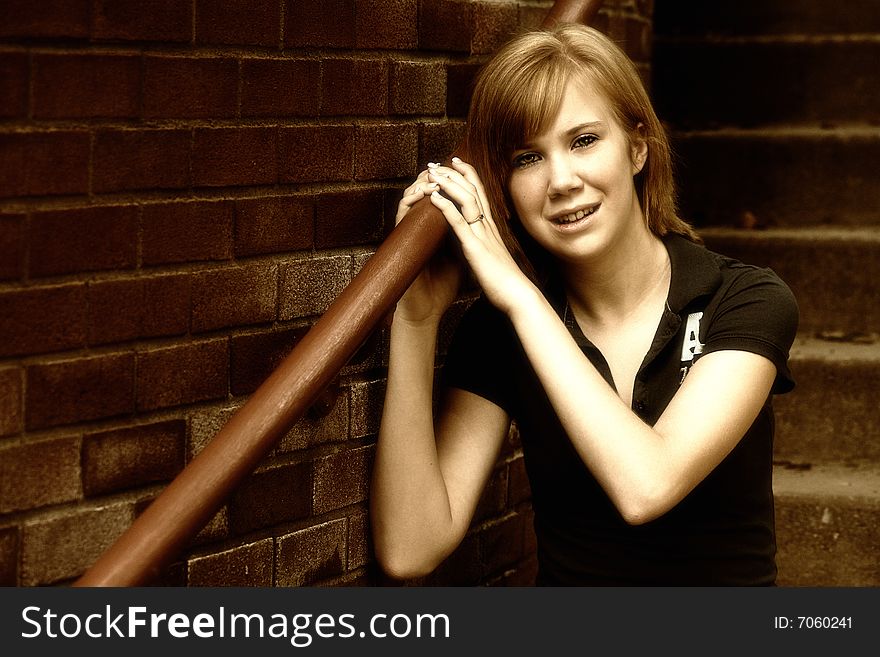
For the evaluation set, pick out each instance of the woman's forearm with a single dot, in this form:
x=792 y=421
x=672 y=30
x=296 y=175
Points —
x=411 y=516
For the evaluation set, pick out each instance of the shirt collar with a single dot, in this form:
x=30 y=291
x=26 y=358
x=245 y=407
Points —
x=695 y=271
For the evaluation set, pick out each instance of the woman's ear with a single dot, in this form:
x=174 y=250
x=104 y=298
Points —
x=639 y=148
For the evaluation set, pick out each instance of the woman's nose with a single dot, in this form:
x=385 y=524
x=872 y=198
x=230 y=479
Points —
x=563 y=177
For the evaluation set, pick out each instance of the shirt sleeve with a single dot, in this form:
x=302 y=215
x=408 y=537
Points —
x=758 y=313
x=479 y=354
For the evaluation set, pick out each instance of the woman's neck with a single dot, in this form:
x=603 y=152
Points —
x=611 y=288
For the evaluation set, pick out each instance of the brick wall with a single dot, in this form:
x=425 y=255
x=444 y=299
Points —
x=185 y=185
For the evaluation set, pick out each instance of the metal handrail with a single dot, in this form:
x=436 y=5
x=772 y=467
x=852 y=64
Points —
x=158 y=535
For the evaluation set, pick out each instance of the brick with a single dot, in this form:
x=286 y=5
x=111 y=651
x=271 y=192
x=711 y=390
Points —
x=234 y=297
x=271 y=497
x=12 y=240
x=83 y=239
x=26 y=469
x=86 y=86
x=308 y=287
x=446 y=25
x=460 y=80
x=235 y=156
x=354 y=87
x=50 y=18
x=316 y=153
x=342 y=479
x=247 y=22
x=11 y=396
x=349 y=219
x=180 y=87
x=246 y=565
x=311 y=554
x=255 y=356
x=313 y=429
x=13 y=85
x=183 y=374
x=320 y=23
x=59 y=548
x=9 y=556
x=273 y=224
x=217 y=529
x=141 y=159
x=462 y=567
x=437 y=142
x=367 y=399
x=187 y=232
x=126 y=458
x=418 y=88
x=371 y=354
x=385 y=151
x=639 y=41
x=280 y=87
x=518 y=490
x=166 y=305
x=78 y=390
x=493 y=500
x=493 y=24
x=531 y=17
x=135 y=20
x=38 y=163
x=359 y=542
x=204 y=426
x=530 y=539
x=501 y=543
x=524 y=574
x=122 y=310
x=38 y=320
x=388 y=24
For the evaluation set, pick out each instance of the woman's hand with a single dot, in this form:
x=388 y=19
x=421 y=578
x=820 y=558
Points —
x=436 y=287
x=461 y=197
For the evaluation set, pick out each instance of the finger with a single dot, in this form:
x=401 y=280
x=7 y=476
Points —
x=470 y=174
x=412 y=196
x=462 y=193
x=453 y=217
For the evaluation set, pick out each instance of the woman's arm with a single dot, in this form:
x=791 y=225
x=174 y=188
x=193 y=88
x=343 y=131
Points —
x=644 y=470
x=426 y=480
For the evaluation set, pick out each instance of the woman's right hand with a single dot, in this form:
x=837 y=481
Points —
x=436 y=287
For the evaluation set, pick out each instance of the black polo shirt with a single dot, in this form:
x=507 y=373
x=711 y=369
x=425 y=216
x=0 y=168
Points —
x=723 y=532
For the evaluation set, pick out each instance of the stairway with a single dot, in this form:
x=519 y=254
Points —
x=774 y=109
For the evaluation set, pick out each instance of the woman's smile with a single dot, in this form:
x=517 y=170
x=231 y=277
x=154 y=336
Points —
x=575 y=219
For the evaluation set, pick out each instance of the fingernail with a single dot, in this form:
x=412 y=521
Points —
x=457 y=160
x=433 y=165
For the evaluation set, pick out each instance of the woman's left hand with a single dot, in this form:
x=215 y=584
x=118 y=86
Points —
x=466 y=207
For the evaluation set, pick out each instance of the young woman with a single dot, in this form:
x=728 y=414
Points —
x=638 y=366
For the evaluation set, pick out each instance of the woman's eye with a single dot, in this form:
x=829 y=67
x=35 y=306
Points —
x=524 y=160
x=584 y=140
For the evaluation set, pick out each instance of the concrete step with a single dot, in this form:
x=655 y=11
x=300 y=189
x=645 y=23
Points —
x=833 y=272
x=750 y=17
x=783 y=176
x=742 y=82
x=831 y=416
x=828 y=525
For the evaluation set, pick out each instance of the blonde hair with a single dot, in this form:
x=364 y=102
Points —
x=519 y=92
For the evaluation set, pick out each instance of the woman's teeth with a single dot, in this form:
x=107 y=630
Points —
x=576 y=216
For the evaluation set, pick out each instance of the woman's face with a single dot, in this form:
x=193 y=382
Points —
x=572 y=185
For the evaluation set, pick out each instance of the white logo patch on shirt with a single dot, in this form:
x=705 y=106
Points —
x=691 y=345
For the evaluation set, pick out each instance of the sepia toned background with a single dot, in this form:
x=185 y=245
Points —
x=186 y=185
